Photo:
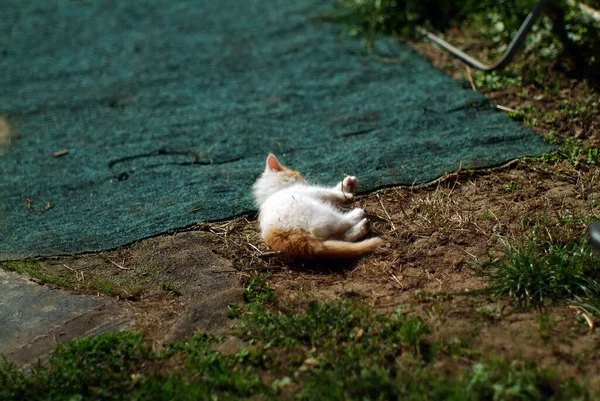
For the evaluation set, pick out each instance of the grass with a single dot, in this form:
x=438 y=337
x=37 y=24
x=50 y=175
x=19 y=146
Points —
x=33 y=269
x=74 y=281
x=331 y=351
x=574 y=151
x=536 y=272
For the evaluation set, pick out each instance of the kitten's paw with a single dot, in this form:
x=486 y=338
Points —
x=356 y=215
x=350 y=184
x=357 y=231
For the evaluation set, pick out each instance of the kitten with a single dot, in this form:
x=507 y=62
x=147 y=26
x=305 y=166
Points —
x=301 y=220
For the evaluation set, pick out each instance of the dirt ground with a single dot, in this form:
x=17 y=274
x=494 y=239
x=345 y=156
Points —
x=436 y=238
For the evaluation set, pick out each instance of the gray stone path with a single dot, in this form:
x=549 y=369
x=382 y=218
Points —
x=34 y=318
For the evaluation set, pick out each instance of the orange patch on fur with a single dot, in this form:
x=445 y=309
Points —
x=293 y=241
x=290 y=172
x=299 y=243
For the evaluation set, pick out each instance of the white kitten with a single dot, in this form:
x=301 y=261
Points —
x=301 y=220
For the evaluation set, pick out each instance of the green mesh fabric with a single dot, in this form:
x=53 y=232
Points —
x=169 y=108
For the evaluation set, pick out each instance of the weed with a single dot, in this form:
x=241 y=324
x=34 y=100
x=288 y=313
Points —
x=257 y=290
x=499 y=379
x=104 y=286
x=511 y=187
x=534 y=272
x=496 y=80
x=517 y=115
x=234 y=311
x=170 y=288
x=491 y=313
x=574 y=151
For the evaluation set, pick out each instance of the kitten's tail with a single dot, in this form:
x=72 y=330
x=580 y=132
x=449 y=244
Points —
x=299 y=243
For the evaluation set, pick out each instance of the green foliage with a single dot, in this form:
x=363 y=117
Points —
x=572 y=150
x=492 y=314
x=496 y=80
x=258 y=292
x=492 y=379
x=511 y=186
x=90 y=368
x=503 y=380
x=546 y=325
x=494 y=23
x=120 y=366
x=332 y=324
x=331 y=351
x=398 y=17
x=170 y=288
x=213 y=374
x=536 y=271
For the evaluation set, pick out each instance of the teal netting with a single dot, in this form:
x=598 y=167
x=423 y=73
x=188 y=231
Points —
x=169 y=108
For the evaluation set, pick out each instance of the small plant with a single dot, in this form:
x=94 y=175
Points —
x=258 y=291
x=492 y=314
x=499 y=379
x=496 y=80
x=170 y=288
x=511 y=187
x=535 y=272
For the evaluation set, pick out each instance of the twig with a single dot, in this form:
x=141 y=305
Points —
x=254 y=247
x=77 y=273
x=398 y=281
x=470 y=254
x=471 y=78
x=386 y=213
x=267 y=254
x=118 y=265
x=261 y=254
x=60 y=153
x=587 y=318
x=504 y=108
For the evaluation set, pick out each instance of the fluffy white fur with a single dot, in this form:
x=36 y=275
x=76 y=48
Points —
x=288 y=202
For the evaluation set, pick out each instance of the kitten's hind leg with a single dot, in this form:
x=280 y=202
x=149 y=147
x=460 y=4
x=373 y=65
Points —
x=357 y=231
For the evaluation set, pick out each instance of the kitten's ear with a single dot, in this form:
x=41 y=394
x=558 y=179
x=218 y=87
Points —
x=273 y=163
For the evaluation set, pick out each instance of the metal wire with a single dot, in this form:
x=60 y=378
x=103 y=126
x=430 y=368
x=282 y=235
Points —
x=511 y=50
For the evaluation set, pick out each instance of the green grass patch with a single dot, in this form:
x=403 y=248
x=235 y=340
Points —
x=120 y=366
x=330 y=351
x=535 y=272
x=575 y=151
x=33 y=269
x=69 y=280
